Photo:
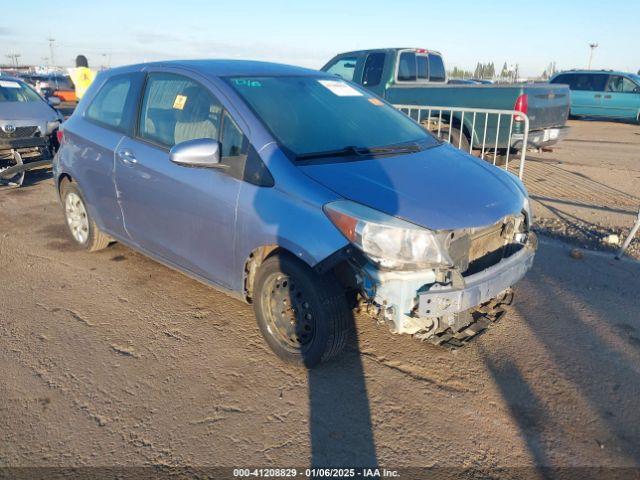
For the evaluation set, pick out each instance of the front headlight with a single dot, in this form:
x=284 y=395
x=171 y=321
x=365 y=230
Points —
x=386 y=240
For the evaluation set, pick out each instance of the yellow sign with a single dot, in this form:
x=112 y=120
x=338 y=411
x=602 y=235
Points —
x=179 y=102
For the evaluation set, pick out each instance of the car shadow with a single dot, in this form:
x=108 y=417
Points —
x=341 y=431
x=590 y=333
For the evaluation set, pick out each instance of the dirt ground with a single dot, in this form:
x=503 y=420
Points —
x=589 y=186
x=112 y=359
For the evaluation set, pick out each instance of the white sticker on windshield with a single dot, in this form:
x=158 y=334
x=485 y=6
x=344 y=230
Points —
x=339 y=88
x=9 y=84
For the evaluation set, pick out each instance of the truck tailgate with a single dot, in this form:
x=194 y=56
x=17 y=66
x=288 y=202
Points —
x=548 y=105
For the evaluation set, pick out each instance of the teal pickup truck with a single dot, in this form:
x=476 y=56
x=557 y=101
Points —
x=415 y=76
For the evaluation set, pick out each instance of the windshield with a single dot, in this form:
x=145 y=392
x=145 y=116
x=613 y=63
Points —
x=311 y=115
x=14 y=91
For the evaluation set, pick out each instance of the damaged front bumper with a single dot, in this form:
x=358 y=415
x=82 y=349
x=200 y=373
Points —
x=412 y=302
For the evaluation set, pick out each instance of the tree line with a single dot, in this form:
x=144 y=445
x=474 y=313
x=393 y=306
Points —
x=487 y=71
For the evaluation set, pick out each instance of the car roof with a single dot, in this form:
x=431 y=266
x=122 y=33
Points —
x=226 y=68
x=4 y=77
x=608 y=72
x=392 y=49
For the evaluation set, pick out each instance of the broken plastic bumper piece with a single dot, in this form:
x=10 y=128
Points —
x=478 y=288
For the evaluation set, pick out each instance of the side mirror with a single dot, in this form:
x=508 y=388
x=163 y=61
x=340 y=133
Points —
x=201 y=152
x=53 y=101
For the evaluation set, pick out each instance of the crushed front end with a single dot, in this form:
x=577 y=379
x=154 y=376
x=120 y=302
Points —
x=25 y=142
x=453 y=300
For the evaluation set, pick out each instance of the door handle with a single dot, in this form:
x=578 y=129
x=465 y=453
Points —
x=607 y=96
x=598 y=95
x=127 y=157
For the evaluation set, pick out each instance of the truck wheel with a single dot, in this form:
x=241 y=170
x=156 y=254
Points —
x=303 y=316
x=459 y=138
x=82 y=228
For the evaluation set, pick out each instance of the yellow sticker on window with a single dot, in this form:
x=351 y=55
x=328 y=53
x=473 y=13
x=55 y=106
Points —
x=376 y=102
x=179 y=102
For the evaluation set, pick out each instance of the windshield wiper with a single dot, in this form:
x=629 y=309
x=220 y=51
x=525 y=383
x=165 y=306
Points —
x=342 y=152
x=361 y=151
x=395 y=149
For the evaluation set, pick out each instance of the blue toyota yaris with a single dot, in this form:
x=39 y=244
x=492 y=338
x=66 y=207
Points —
x=298 y=192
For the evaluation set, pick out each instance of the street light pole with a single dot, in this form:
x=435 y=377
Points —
x=592 y=46
x=51 y=42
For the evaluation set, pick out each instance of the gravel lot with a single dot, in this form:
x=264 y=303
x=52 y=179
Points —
x=589 y=186
x=113 y=359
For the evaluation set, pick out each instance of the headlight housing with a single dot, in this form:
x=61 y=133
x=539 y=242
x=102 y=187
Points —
x=388 y=241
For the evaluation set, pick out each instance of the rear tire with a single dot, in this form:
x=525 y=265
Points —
x=81 y=227
x=303 y=316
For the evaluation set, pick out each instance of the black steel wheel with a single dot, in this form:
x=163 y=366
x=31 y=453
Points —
x=288 y=314
x=302 y=315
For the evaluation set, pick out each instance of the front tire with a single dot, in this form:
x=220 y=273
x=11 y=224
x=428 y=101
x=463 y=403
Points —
x=83 y=230
x=303 y=316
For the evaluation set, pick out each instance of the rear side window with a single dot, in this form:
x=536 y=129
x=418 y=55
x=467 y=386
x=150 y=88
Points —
x=343 y=68
x=565 y=79
x=110 y=107
x=413 y=67
x=422 y=67
x=436 y=68
x=593 y=82
x=407 y=67
x=373 y=67
x=176 y=109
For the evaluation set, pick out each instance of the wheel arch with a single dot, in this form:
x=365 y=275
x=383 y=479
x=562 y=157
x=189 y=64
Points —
x=62 y=179
x=456 y=121
x=252 y=263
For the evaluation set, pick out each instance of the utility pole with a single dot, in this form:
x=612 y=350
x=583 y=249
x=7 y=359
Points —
x=592 y=46
x=51 y=42
x=14 y=58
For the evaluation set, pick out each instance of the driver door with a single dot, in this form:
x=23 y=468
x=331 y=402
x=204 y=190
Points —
x=184 y=215
x=621 y=98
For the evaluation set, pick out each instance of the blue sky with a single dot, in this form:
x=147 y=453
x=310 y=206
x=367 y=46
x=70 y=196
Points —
x=530 y=33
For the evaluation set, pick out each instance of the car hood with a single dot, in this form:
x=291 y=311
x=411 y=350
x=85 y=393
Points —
x=16 y=111
x=441 y=188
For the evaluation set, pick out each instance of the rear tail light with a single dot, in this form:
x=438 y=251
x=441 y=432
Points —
x=60 y=136
x=521 y=105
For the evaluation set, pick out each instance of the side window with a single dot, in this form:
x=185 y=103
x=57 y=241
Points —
x=422 y=67
x=343 y=67
x=598 y=82
x=373 y=67
x=565 y=80
x=629 y=86
x=620 y=84
x=581 y=82
x=436 y=68
x=109 y=106
x=407 y=67
x=592 y=82
x=234 y=143
x=176 y=109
